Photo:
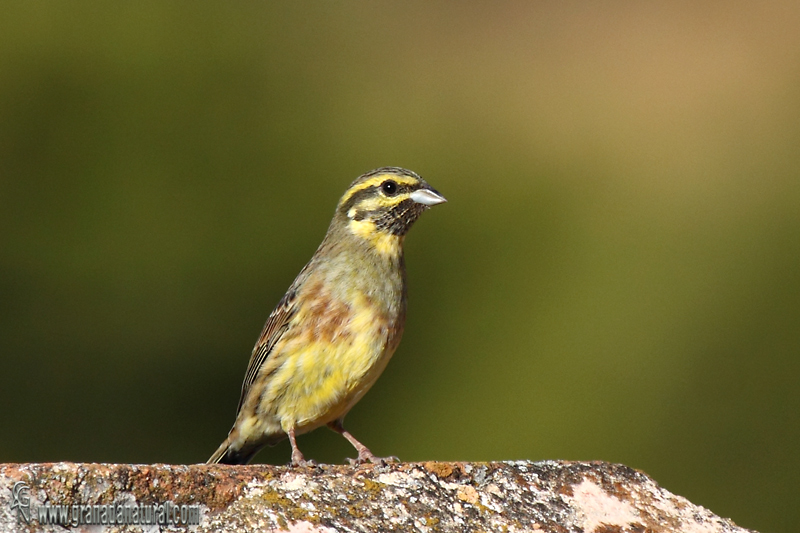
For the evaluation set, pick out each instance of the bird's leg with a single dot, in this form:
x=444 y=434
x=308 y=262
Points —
x=297 y=455
x=364 y=454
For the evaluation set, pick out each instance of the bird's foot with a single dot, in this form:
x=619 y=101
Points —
x=304 y=463
x=370 y=458
x=299 y=460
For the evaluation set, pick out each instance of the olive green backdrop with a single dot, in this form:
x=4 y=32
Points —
x=615 y=276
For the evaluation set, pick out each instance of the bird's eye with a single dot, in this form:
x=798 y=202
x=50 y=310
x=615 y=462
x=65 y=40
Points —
x=389 y=187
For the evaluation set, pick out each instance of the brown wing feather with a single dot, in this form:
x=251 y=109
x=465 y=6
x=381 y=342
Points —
x=274 y=328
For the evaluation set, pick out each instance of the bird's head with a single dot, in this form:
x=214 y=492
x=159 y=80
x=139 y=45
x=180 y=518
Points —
x=386 y=202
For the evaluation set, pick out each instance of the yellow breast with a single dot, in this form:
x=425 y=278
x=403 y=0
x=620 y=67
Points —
x=331 y=355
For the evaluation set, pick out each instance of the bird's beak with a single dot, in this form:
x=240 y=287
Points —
x=427 y=197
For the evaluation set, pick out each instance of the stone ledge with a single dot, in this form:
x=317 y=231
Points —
x=547 y=496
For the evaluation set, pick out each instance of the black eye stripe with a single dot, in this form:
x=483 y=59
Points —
x=358 y=197
x=374 y=190
x=402 y=188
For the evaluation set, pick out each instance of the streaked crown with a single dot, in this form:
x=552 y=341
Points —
x=387 y=200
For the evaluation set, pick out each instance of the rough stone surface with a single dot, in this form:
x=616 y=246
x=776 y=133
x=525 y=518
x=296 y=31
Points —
x=548 y=496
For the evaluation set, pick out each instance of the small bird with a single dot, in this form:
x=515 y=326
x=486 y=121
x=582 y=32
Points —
x=335 y=329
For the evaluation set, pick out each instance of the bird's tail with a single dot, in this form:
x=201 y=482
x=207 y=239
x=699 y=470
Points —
x=228 y=456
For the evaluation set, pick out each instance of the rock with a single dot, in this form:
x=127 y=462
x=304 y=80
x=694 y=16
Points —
x=547 y=496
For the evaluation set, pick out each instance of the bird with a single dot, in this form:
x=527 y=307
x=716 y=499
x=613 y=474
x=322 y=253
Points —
x=334 y=331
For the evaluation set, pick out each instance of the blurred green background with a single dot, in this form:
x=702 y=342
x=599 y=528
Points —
x=614 y=278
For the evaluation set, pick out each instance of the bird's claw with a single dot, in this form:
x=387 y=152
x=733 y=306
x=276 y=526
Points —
x=381 y=461
x=303 y=463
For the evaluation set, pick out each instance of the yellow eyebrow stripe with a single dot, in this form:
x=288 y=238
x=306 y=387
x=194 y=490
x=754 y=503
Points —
x=377 y=180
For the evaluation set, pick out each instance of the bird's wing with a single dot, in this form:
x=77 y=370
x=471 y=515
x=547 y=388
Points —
x=275 y=327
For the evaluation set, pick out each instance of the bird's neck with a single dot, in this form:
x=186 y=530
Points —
x=384 y=243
